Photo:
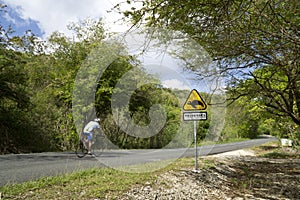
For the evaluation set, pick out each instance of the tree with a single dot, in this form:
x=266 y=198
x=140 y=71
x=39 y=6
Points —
x=18 y=130
x=37 y=79
x=250 y=41
x=274 y=88
x=135 y=93
x=68 y=55
x=244 y=120
x=14 y=98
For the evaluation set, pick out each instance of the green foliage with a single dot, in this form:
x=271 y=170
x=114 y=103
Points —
x=202 y=130
x=37 y=97
x=63 y=64
x=18 y=131
x=12 y=78
x=36 y=87
x=242 y=121
x=273 y=96
x=140 y=102
x=255 y=45
x=108 y=81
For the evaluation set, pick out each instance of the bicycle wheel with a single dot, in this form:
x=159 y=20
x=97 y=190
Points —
x=81 y=151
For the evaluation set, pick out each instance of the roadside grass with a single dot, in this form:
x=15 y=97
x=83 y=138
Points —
x=281 y=154
x=208 y=142
x=88 y=184
x=275 y=151
x=271 y=173
x=229 y=140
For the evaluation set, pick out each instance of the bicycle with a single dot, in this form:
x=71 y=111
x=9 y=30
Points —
x=81 y=149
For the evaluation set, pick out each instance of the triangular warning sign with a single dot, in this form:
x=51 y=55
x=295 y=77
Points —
x=194 y=102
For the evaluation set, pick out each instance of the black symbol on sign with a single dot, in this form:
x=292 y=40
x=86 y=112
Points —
x=195 y=103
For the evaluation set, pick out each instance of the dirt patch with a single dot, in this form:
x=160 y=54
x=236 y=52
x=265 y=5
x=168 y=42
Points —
x=241 y=152
x=227 y=176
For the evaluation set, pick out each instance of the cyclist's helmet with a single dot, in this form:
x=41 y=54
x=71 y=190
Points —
x=97 y=120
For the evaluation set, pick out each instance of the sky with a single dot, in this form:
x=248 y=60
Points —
x=43 y=17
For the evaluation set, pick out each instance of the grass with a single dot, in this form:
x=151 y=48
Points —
x=280 y=154
x=88 y=184
x=202 y=143
x=275 y=151
x=206 y=164
x=78 y=185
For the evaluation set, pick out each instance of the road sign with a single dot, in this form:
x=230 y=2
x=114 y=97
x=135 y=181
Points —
x=194 y=116
x=194 y=102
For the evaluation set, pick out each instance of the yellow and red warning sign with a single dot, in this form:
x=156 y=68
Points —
x=194 y=102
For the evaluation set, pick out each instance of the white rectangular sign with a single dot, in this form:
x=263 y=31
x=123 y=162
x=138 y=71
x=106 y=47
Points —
x=194 y=116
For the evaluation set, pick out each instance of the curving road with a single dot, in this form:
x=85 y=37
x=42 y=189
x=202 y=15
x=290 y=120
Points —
x=24 y=167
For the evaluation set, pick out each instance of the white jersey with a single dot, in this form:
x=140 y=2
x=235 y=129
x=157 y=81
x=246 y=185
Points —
x=91 y=126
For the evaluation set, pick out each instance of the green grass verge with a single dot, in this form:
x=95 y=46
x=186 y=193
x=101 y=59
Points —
x=280 y=154
x=88 y=184
x=202 y=143
x=274 y=150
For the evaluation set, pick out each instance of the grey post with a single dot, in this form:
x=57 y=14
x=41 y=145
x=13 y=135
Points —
x=196 y=150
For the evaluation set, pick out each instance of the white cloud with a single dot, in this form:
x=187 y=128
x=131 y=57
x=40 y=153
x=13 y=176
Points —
x=175 y=84
x=55 y=15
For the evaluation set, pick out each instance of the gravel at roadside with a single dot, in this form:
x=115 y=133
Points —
x=233 y=175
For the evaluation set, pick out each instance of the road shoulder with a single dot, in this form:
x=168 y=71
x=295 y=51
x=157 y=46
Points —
x=233 y=175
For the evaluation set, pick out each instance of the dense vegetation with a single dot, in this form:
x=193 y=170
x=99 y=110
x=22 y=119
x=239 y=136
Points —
x=260 y=61
x=255 y=46
x=37 y=81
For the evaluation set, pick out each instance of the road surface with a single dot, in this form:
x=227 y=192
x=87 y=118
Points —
x=17 y=168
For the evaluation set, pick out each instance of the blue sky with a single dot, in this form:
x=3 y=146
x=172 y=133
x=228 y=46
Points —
x=43 y=17
x=10 y=17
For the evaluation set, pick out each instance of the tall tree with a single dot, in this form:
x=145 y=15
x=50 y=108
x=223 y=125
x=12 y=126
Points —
x=256 y=40
x=18 y=131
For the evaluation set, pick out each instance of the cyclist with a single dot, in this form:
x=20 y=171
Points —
x=89 y=130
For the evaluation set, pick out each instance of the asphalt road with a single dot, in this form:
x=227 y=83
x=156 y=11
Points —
x=17 y=168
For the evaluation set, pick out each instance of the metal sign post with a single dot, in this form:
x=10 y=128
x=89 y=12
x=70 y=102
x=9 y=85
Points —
x=196 y=149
